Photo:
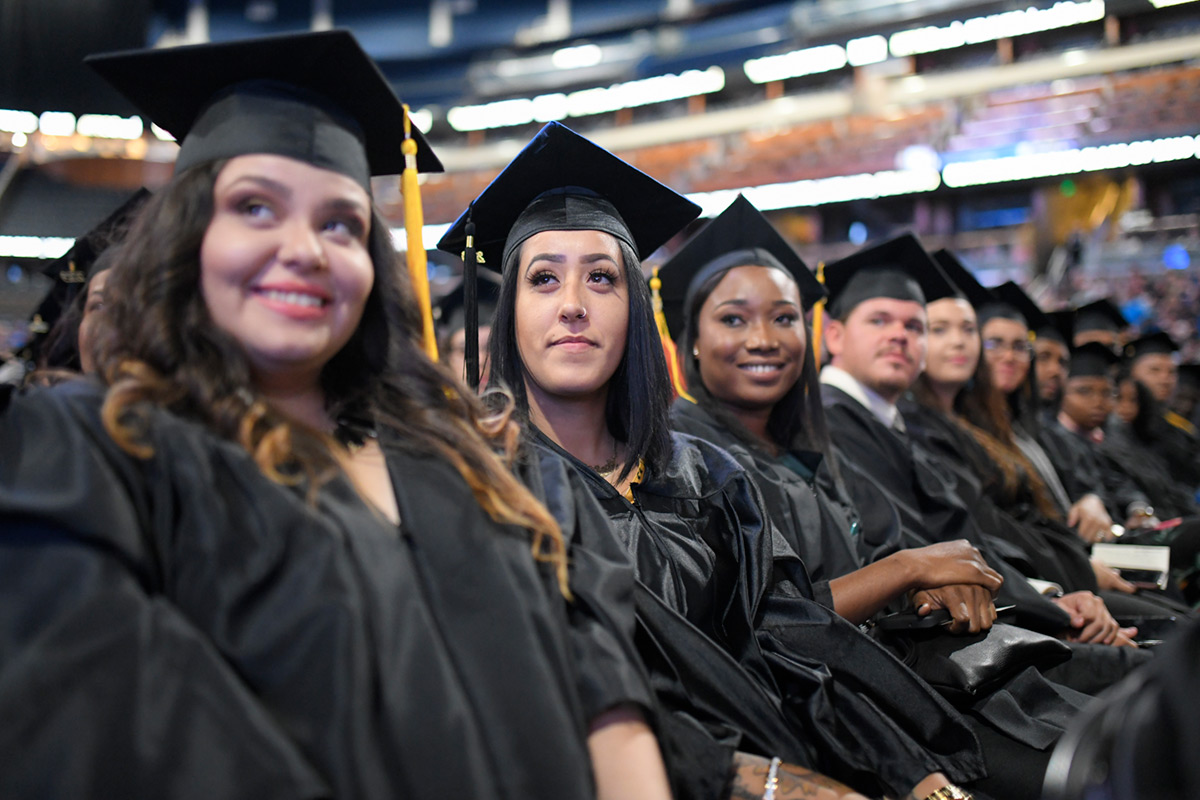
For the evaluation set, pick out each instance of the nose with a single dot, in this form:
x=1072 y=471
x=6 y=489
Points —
x=572 y=306
x=301 y=247
x=761 y=337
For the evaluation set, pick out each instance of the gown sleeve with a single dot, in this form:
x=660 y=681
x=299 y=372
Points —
x=105 y=688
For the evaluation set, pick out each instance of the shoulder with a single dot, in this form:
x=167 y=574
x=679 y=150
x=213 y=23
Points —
x=697 y=469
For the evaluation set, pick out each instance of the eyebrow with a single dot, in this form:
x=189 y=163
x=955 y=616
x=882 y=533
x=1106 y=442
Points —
x=741 y=301
x=282 y=189
x=559 y=258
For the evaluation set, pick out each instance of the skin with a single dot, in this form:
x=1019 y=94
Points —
x=1157 y=371
x=753 y=317
x=1050 y=359
x=1088 y=401
x=572 y=314
x=953 y=348
x=1127 y=401
x=91 y=308
x=881 y=343
x=1008 y=353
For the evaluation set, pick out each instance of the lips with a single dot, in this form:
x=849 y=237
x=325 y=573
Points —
x=573 y=344
x=298 y=301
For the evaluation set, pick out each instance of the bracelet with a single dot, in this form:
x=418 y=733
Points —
x=772 y=779
x=949 y=792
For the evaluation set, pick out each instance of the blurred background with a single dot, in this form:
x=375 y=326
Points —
x=1053 y=142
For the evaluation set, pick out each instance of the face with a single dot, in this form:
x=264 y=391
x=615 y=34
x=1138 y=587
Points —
x=572 y=313
x=1127 y=401
x=1159 y=374
x=456 y=349
x=953 y=351
x=750 y=338
x=881 y=343
x=1088 y=401
x=1006 y=348
x=284 y=264
x=1051 y=360
x=91 y=310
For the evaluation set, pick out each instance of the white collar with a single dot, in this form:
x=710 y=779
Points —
x=885 y=412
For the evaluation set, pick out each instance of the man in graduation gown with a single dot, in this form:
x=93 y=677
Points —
x=1173 y=437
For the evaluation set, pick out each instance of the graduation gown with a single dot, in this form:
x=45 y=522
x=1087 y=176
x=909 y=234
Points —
x=1085 y=470
x=1154 y=477
x=183 y=627
x=924 y=493
x=707 y=556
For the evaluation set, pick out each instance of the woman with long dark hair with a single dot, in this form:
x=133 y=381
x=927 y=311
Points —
x=575 y=341
x=273 y=550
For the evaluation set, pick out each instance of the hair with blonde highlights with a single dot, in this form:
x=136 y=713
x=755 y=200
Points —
x=157 y=347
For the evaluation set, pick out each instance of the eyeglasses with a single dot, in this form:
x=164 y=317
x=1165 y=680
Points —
x=1020 y=348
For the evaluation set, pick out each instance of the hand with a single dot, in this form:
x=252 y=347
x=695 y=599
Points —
x=951 y=563
x=1090 y=518
x=1090 y=620
x=1136 y=521
x=750 y=779
x=970 y=606
x=1108 y=579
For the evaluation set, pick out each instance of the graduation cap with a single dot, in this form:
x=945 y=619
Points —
x=562 y=181
x=449 y=311
x=1150 y=344
x=1061 y=327
x=316 y=97
x=969 y=288
x=1092 y=360
x=898 y=268
x=739 y=236
x=1101 y=315
x=1012 y=303
x=71 y=270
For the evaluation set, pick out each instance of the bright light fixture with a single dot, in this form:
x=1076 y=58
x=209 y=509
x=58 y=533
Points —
x=107 y=126
x=585 y=55
x=995 y=26
x=1069 y=162
x=810 y=61
x=18 y=121
x=57 y=123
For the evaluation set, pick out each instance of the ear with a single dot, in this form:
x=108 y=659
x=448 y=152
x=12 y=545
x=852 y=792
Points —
x=835 y=337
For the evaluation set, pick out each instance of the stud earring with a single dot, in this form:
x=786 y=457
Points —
x=695 y=352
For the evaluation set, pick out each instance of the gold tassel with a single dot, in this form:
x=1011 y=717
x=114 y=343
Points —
x=818 y=319
x=677 y=380
x=414 y=221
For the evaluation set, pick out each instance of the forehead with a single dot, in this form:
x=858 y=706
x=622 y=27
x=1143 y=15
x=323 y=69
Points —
x=950 y=308
x=906 y=310
x=292 y=174
x=1090 y=380
x=563 y=242
x=763 y=283
x=1046 y=345
x=1004 y=327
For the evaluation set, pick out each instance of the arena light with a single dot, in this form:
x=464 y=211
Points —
x=422 y=118
x=995 y=26
x=1069 y=162
x=600 y=100
x=867 y=50
x=821 y=191
x=1168 y=3
x=159 y=133
x=19 y=139
x=18 y=121
x=809 y=61
x=581 y=57
x=430 y=236
x=57 y=123
x=107 y=126
x=34 y=246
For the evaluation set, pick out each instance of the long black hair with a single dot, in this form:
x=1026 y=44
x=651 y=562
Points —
x=797 y=422
x=639 y=392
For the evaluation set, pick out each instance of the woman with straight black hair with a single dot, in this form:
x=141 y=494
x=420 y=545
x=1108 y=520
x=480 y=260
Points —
x=727 y=621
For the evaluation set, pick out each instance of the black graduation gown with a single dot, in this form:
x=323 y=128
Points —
x=705 y=553
x=1154 y=477
x=1083 y=470
x=183 y=627
x=923 y=492
x=1049 y=550
x=1178 y=445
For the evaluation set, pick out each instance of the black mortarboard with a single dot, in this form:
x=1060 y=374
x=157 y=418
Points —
x=316 y=97
x=562 y=181
x=969 y=288
x=449 y=313
x=1061 y=327
x=1150 y=344
x=1012 y=303
x=898 y=268
x=72 y=269
x=739 y=236
x=1091 y=360
x=1100 y=315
